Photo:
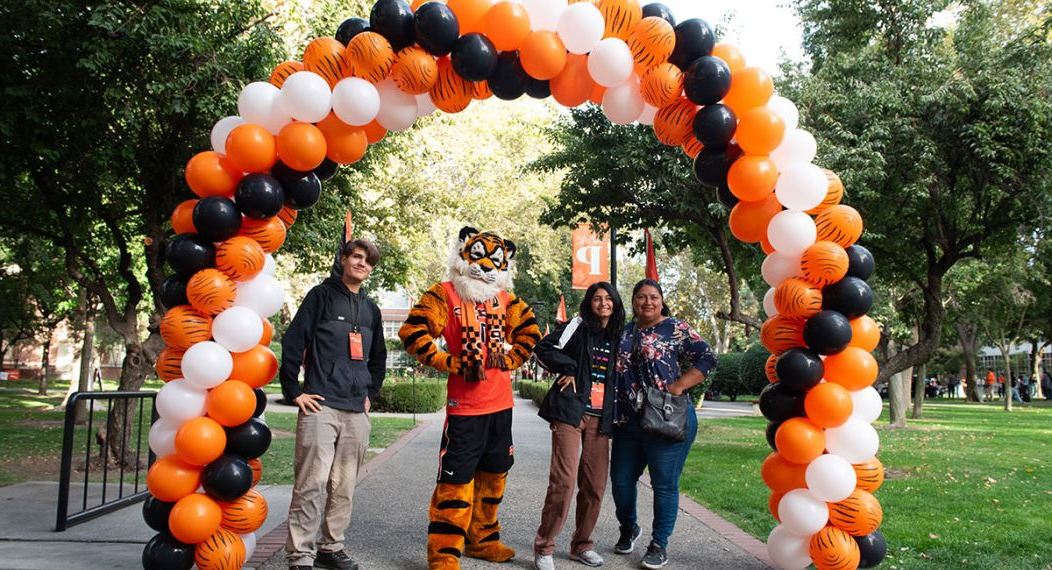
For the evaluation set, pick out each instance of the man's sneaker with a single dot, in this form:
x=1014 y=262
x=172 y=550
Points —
x=335 y=561
x=627 y=543
x=543 y=561
x=655 y=557
x=588 y=558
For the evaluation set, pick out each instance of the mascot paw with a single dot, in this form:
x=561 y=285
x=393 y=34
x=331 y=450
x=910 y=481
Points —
x=444 y=564
x=493 y=551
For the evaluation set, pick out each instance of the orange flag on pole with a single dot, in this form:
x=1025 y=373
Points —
x=560 y=313
x=651 y=271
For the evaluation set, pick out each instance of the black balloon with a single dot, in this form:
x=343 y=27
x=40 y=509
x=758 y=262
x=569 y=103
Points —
x=227 y=478
x=173 y=291
x=302 y=189
x=164 y=552
x=694 y=38
x=779 y=402
x=509 y=79
x=772 y=429
x=326 y=170
x=657 y=10
x=249 y=440
x=860 y=262
x=707 y=80
x=726 y=198
x=436 y=28
x=259 y=196
x=538 y=88
x=190 y=253
x=850 y=296
x=714 y=125
x=155 y=512
x=261 y=402
x=873 y=549
x=393 y=19
x=216 y=218
x=712 y=164
x=349 y=28
x=799 y=369
x=475 y=58
x=827 y=332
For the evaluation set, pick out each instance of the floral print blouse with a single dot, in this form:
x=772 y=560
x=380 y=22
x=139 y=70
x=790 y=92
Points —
x=656 y=356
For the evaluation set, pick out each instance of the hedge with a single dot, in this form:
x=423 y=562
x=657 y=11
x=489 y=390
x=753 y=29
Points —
x=403 y=396
x=533 y=391
x=753 y=373
x=726 y=379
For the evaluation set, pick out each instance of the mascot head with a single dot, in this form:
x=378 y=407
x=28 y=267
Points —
x=480 y=264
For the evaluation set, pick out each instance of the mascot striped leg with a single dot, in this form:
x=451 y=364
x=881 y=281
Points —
x=450 y=516
x=484 y=530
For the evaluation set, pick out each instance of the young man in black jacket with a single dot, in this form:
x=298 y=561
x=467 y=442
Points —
x=337 y=337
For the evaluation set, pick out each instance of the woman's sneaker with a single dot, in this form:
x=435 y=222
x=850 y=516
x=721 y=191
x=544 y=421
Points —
x=627 y=543
x=655 y=557
x=588 y=558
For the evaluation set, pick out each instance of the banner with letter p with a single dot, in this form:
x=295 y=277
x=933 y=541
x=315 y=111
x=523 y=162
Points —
x=591 y=257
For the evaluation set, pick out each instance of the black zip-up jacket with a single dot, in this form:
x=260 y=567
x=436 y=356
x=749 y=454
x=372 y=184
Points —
x=567 y=351
x=318 y=339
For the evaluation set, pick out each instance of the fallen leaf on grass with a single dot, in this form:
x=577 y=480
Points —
x=932 y=535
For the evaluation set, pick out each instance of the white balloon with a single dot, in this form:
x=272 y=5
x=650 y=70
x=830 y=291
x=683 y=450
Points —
x=830 y=477
x=544 y=14
x=791 y=232
x=258 y=103
x=647 y=118
x=237 y=329
x=623 y=104
x=581 y=28
x=787 y=550
x=786 y=110
x=278 y=121
x=221 y=130
x=424 y=105
x=397 y=108
x=250 y=540
x=801 y=186
x=778 y=267
x=306 y=96
x=162 y=436
x=768 y=303
x=610 y=64
x=270 y=267
x=207 y=364
x=178 y=401
x=797 y=147
x=802 y=513
x=855 y=441
x=355 y=101
x=263 y=294
x=867 y=404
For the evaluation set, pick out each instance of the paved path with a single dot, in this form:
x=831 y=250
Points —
x=388 y=528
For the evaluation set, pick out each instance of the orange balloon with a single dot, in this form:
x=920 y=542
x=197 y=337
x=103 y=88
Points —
x=269 y=233
x=170 y=479
x=415 y=70
x=749 y=220
x=344 y=144
x=674 y=123
x=840 y=224
x=782 y=332
x=246 y=513
x=828 y=405
x=772 y=504
x=301 y=146
x=240 y=258
x=651 y=41
x=288 y=217
x=283 y=71
x=470 y=14
x=661 y=85
x=824 y=262
x=257 y=470
x=256 y=366
x=574 y=85
x=865 y=333
x=834 y=193
x=852 y=368
x=543 y=55
x=782 y=476
x=268 y=333
x=765 y=245
x=418 y=3
x=752 y=178
x=857 y=515
x=621 y=17
x=194 y=518
x=374 y=132
x=799 y=440
x=751 y=87
x=211 y=174
x=169 y=365
x=760 y=131
x=692 y=147
x=211 y=291
x=833 y=549
x=507 y=25
x=451 y=93
x=731 y=55
x=183 y=217
x=480 y=90
x=869 y=474
x=251 y=148
x=200 y=441
x=224 y=550
x=328 y=58
x=184 y=325
x=370 y=56
x=231 y=403
x=769 y=368
x=796 y=297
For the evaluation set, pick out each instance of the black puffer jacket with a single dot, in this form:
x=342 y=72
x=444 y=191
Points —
x=568 y=352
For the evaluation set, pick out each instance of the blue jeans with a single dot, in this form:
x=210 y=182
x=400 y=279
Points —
x=634 y=450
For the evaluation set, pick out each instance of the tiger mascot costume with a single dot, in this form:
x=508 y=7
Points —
x=478 y=317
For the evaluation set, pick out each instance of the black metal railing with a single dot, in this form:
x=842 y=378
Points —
x=131 y=406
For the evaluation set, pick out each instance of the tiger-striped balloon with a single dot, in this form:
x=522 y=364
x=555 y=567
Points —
x=662 y=85
x=857 y=515
x=797 y=297
x=834 y=549
x=769 y=368
x=651 y=42
x=224 y=550
x=621 y=16
x=674 y=123
x=692 y=147
x=782 y=332
x=824 y=262
x=241 y=258
x=246 y=513
x=257 y=470
x=287 y=216
x=370 y=57
x=869 y=474
x=451 y=92
x=269 y=233
x=169 y=364
x=211 y=291
x=839 y=224
x=328 y=58
x=184 y=325
x=283 y=71
x=415 y=71
x=834 y=193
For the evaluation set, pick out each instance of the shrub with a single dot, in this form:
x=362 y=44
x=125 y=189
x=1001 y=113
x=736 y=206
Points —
x=402 y=395
x=727 y=377
x=753 y=372
x=533 y=390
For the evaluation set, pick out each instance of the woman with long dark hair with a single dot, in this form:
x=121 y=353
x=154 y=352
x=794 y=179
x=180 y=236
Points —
x=579 y=407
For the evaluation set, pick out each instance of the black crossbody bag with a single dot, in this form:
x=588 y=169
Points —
x=661 y=413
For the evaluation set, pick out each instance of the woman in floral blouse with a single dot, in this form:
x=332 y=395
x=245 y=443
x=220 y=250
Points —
x=660 y=351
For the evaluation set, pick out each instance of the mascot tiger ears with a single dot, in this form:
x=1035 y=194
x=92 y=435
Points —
x=480 y=264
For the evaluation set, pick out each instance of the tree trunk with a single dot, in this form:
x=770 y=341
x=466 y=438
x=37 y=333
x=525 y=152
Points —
x=45 y=363
x=966 y=336
x=1006 y=354
x=918 y=391
x=124 y=413
x=87 y=359
x=1036 y=347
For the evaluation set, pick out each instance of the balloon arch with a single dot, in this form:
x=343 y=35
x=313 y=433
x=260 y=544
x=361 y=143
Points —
x=406 y=61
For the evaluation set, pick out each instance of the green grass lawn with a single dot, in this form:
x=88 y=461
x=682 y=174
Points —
x=969 y=486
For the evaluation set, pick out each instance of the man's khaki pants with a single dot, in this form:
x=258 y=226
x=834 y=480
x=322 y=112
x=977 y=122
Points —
x=330 y=447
